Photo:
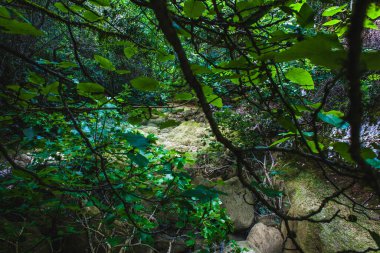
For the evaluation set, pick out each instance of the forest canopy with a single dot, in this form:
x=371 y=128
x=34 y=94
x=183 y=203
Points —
x=295 y=80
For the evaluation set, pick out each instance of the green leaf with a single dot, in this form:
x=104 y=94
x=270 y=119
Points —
x=238 y=63
x=91 y=16
x=4 y=12
x=288 y=124
x=130 y=51
x=373 y=11
x=375 y=162
x=245 y=7
x=33 y=77
x=333 y=118
x=103 y=3
x=89 y=88
x=163 y=57
x=51 y=88
x=334 y=10
x=27 y=95
x=145 y=83
x=215 y=100
x=343 y=149
x=305 y=17
x=313 y=147
x=15 y=27
x=184 y=96
x=198 y=69
x=370 y=24
x=137 y=140
x=122 y=71
x=281 y=36
x=190 y=242
x=301 y=77
x=332 y=22
x=194 y=8
x=66 y=65
x=104 y=63
x=367 y=153
x=322 y=49
x=279 y=141
x=211 y=97
x=139 y=159
x=61 y=7
x=14 y=87
x=371 y=60
x=76 y=8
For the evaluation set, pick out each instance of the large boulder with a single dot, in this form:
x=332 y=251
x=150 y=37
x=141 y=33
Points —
x=238 y=203
x=306 y=191
x=266 y=239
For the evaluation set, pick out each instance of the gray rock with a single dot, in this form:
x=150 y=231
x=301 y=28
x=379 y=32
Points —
x=237 y=203
x=266 y=239
x=306 y=191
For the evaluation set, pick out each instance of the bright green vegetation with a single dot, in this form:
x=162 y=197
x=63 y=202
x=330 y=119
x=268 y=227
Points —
x=109 y=108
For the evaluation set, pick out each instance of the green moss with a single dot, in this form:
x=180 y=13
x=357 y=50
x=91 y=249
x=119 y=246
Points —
x=189 y=136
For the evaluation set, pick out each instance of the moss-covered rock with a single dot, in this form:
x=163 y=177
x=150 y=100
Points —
x=306 y=191
x=189 y=136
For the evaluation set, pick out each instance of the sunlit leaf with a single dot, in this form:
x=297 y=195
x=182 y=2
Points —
x=61 y=7
x=334 y=10
x=313 y=147
x=301 y=77
x=373 y=11
x=332 y=22
x=334 y=118
x=279 y=141
x=91 y=16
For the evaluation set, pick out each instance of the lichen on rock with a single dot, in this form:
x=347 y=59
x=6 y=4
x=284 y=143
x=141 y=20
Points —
x=306 y=191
